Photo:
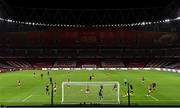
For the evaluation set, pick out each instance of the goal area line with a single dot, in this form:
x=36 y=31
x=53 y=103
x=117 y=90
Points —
x=97 y=82
x=88 y=102
x=92 y=101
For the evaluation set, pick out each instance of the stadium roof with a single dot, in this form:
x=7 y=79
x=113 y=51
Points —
x=89 y=11
x=84 y=4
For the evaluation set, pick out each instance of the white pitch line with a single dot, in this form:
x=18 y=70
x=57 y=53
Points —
x=154 y=98
x=90 y=101
x=26 y=98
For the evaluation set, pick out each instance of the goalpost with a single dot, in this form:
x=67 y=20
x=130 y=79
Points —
x=75 y=92
x=88 y=66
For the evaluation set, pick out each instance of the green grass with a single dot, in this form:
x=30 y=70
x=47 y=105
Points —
x=32 y=90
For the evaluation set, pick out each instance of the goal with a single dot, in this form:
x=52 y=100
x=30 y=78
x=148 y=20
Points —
x=75 y=93
x=89 y=66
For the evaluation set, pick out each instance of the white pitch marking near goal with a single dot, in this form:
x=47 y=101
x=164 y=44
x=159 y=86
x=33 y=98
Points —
x=91 y=84
x=154 y=98
x=26 y=98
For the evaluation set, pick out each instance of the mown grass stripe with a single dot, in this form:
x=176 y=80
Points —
x=26 y=98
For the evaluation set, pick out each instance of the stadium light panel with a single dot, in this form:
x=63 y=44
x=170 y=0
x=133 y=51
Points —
x=112 y=25
x=9 y=20
x=167 y=20
x=178 y=18
x=143 y=23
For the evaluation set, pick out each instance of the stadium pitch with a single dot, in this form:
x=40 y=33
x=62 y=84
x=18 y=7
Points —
x=32 y=89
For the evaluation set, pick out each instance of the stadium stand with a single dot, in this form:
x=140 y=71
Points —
x=64 y=64
x=41 y=65
x=157 y=63
x=19 y=64
x=112 y=64
x=77 y=47
x=4 y=66
x=174 y=65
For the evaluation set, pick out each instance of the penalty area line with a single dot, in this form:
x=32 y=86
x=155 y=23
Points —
x=26 y=98
x=154 y=98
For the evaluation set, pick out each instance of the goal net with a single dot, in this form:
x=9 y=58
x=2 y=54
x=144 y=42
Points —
x=89 y=66
x=88 y=92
